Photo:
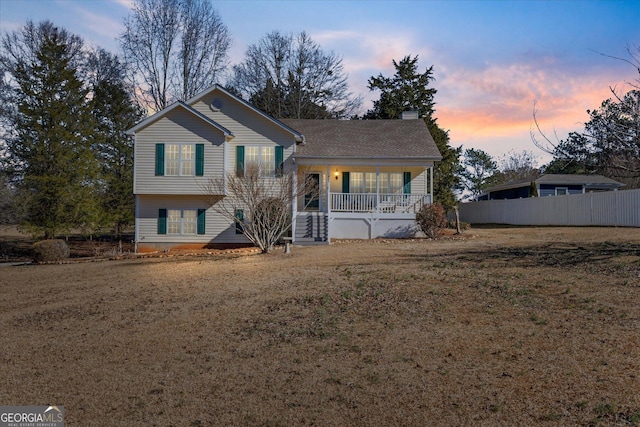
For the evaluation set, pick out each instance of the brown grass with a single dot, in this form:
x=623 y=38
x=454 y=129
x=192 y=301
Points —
x=510 y=326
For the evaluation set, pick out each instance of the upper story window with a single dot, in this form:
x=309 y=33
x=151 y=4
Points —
x=262 y=158
x=179 y=160
x=267 y=160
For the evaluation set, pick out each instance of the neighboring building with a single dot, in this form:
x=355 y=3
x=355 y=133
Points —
x=372 y=175
x=551 y=185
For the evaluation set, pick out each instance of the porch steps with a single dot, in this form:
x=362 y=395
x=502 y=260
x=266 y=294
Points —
x=312 y=228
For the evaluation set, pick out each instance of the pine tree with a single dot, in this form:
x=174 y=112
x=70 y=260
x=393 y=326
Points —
x=48 y=138
x=113 y=114
x=409 y=90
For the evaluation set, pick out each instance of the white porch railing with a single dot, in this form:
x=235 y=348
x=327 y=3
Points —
x=379 y=203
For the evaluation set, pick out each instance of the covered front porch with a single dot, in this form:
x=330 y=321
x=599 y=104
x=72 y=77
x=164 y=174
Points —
x=360 y=200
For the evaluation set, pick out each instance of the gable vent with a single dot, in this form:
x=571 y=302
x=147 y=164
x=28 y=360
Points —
x=216 y=104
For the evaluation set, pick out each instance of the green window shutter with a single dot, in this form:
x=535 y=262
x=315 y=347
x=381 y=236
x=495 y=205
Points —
x=406 y=189
x=240 y=160
x=159 y=159
x=279 y=159
x=345 y=182
x=239 y=220
x=199 y=159
x=202 y=213
x=162 y=221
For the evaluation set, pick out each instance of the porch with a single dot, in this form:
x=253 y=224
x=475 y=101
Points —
x=361 y=201
x=384 y=204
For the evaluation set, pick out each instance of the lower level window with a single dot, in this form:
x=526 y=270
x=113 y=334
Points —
x=182 y=221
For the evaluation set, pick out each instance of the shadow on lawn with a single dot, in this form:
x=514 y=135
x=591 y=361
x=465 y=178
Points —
x=561 y=254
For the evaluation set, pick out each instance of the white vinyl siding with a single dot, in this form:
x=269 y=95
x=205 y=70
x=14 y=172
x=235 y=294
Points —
x=217 y=228
x=170 y=131
x=182 y=127
x=249 y=129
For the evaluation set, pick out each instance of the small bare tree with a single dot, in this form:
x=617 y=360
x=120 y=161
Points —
x=259 y=205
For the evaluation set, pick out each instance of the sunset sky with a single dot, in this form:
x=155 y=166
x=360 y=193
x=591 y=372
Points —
x=493 y=60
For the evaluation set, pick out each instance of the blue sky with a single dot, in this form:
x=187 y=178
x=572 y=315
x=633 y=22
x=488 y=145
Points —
x=492 y=59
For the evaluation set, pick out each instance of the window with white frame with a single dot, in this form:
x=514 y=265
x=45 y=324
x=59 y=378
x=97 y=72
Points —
x=562 y=191
x=262 y=158
x=391 y=183
x=362 y=182
x=365 y=182
x=180 y=159
x=182 y=221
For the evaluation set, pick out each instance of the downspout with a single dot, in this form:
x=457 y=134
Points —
x=224 y=165
x=136 y=231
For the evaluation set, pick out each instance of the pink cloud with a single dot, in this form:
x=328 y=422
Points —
x=500 y=100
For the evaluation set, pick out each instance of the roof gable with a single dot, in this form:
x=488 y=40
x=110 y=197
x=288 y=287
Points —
x=198 y=97
x=179 y=105
x=228 y=134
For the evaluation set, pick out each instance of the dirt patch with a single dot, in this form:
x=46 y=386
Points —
x=515 y=326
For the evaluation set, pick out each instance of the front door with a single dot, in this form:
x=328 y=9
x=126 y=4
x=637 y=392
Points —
x=312 y=198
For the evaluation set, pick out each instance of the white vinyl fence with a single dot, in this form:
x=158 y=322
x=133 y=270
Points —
x=611 y=208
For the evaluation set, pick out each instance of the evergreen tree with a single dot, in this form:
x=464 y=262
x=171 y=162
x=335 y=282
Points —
x=409 y=90
x=113 y=113
x=406 y=90
x=477 y=172
x=47 y=139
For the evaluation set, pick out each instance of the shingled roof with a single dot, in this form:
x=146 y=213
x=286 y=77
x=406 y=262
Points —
x=365 y=139
x=589 y=181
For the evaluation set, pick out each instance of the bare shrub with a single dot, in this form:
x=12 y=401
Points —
x=50 y=250
x=264 y=202
x=431 y=220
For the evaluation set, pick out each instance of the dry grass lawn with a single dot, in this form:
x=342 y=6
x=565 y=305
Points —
x=509 y=326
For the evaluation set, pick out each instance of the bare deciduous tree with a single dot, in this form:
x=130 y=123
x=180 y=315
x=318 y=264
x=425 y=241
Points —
x=175 y=49
x=609 y=144
x=259 y=205
x=517 y=165
x=292 y=77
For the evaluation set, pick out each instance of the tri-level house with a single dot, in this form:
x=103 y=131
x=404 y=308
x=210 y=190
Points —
x=371 y=175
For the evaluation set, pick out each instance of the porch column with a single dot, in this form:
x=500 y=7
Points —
x=328 y=203
x=294 y=205
x=431 y=183
x=377 y=188
x=328 y=189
